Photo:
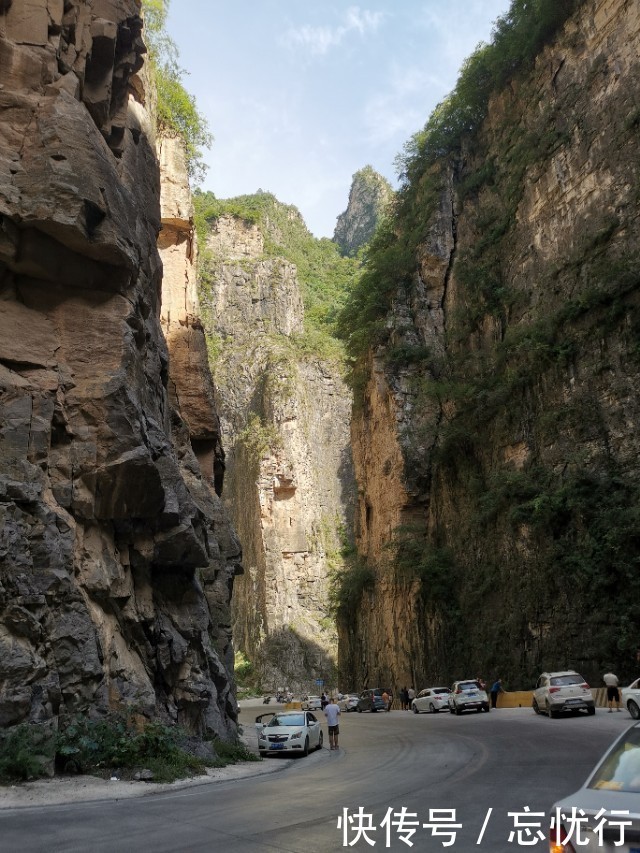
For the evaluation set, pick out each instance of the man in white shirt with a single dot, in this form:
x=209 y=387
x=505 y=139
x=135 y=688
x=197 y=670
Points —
x=332 y=712
x=613 y=694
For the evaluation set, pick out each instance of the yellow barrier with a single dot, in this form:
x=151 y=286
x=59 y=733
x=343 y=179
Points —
x=515 y=699
x=524 y=698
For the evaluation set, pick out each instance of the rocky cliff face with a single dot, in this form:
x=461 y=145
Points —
x=496 y=446
x=113 y=543
x=369 y=197
x=289 y=478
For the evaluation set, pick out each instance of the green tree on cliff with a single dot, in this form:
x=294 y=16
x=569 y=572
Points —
x=177 y=112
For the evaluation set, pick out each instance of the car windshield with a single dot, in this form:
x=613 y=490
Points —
x=566 y=680
x=469 y=685
x=442 y=690
x=287 y=720
x=621 y=770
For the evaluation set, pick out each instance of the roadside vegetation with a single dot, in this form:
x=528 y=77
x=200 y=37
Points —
x=119 y=744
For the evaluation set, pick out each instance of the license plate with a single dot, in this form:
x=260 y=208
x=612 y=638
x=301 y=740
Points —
x=472 y=695
x=277 y=746
x=573 y=702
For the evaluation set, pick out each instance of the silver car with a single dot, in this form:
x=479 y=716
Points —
x=604 y=814
x=562 y=692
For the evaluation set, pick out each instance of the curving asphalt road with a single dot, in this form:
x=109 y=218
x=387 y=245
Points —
x=504 y=761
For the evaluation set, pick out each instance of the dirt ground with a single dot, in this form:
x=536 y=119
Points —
x=48 y=792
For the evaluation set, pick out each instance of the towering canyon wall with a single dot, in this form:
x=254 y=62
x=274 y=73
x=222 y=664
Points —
x=289 y=477
x=115 y=555
x=496 y=443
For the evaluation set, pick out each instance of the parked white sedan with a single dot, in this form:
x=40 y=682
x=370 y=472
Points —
x=289 y=731
x=631 y=698
x=432 y=699
x=312 y=703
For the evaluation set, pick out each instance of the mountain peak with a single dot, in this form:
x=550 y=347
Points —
x=369 y=196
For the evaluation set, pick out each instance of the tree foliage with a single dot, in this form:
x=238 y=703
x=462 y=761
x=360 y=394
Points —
x=391 y=261
x=177 y=112
x=325 y=276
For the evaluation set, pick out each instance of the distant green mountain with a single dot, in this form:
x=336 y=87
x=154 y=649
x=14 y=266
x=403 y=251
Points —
x=369 y=198
x=325 y=276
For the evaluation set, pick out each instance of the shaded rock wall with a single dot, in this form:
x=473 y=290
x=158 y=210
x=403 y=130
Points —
x=514 y=428
x=108 y=526
x=289 y=478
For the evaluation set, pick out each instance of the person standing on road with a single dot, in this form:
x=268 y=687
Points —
x=411 y=695
x=496 y=688
x=613 y=693
x=404 y=698
x=332 y=712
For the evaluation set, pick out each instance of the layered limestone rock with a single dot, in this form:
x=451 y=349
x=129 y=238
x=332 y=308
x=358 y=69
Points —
x=369 y=198
x=111 y=536
x=500 y=451
x=289 y=479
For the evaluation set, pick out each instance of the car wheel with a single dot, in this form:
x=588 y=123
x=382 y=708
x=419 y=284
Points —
x=414 y=708
x=432 y=707
x=550 y=712
x=458 y=710
x=320 y=741
x=305 y=751
x=535 y=707
x=633 y=709
x=359 y=709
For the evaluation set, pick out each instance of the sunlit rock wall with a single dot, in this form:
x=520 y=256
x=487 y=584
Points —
x=289 y=478
x=503 y=450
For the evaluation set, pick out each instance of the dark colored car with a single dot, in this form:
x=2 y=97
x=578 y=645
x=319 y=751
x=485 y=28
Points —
x=371 y=700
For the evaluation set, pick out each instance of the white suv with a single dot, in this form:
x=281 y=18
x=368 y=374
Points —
x=558 y=692
x=467 y=696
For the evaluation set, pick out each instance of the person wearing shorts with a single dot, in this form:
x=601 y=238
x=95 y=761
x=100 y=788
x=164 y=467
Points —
x=613 y=693
x=332 y=712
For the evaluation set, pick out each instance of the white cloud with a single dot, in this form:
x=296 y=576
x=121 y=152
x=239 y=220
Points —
x=403 y=106
x=320 y=40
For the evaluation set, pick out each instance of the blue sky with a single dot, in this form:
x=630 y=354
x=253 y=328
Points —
x=300 y=94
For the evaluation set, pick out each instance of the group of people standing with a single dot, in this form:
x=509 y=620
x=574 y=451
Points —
x=407 y=695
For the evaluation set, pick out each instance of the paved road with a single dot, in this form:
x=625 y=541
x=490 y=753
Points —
x=504 y=760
